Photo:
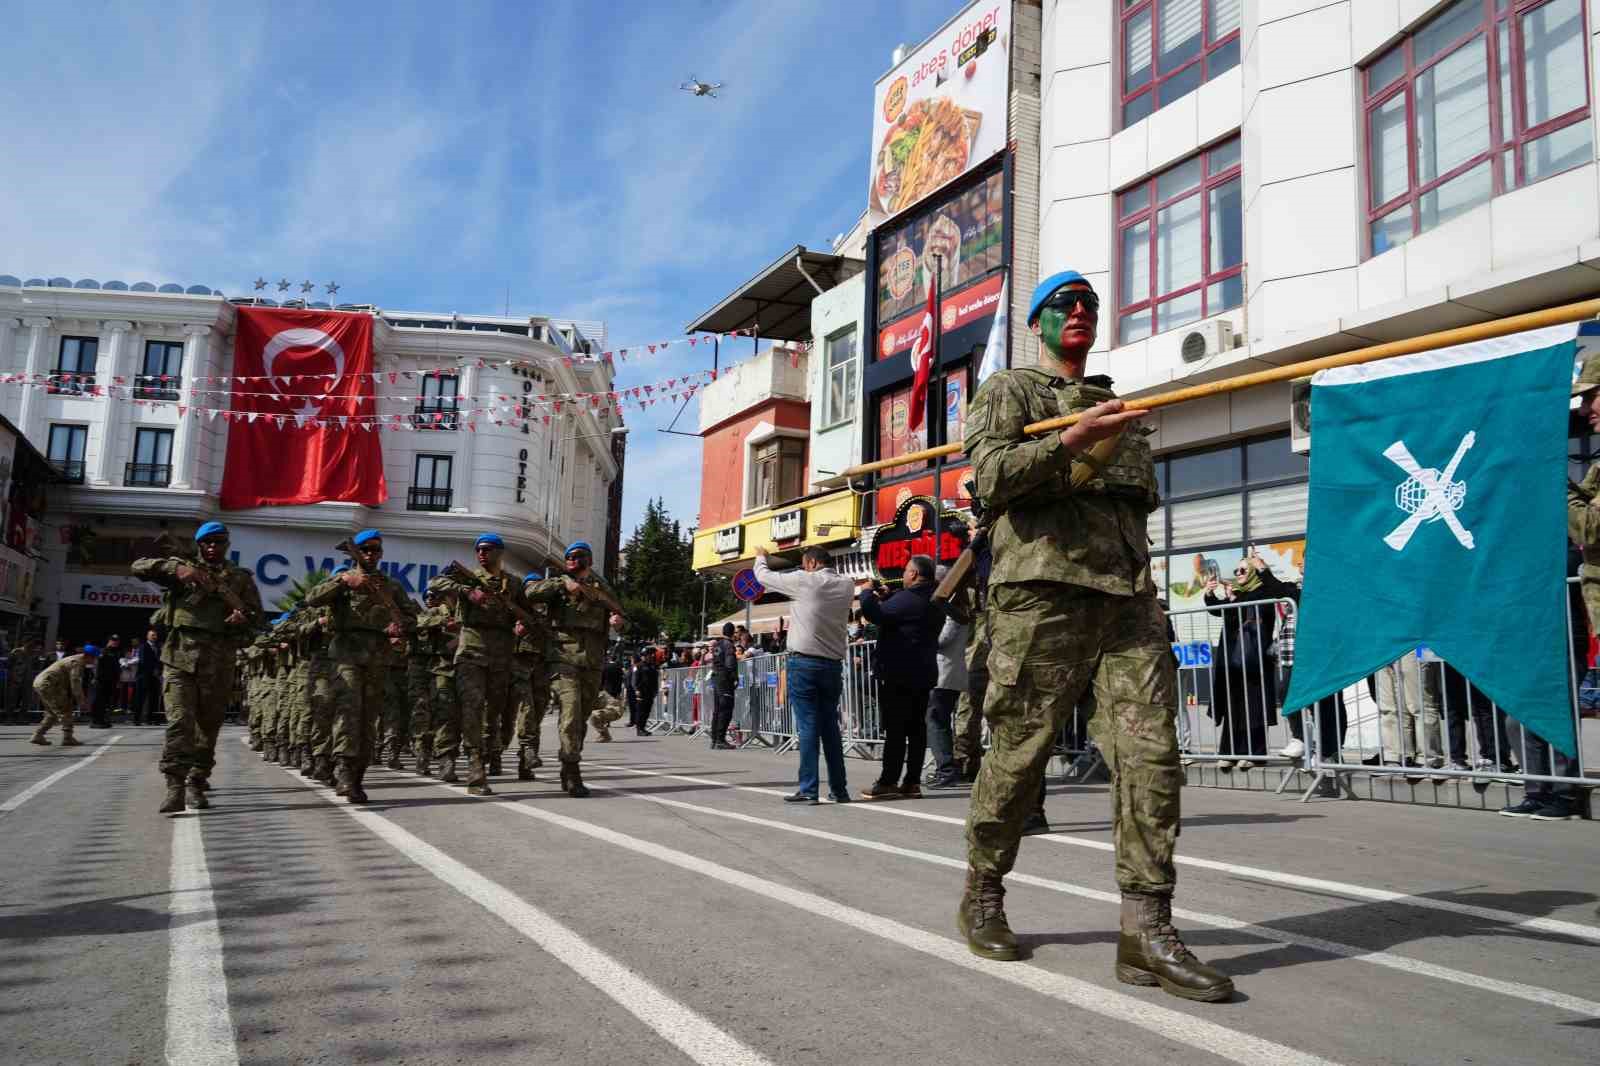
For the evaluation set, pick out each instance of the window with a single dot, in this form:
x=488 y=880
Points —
x=1485 y=97
x=65 y=450
x=74 y=369
x=840 y=392
x=438 y=407
x=1230 y=495
x=1172 y=47
x=1180 y=241
x=152 y=459
x=430 y=484
x=161 y=374
x=777 y=469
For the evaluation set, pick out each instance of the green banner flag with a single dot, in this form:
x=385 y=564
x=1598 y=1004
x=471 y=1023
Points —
x=1438 y=517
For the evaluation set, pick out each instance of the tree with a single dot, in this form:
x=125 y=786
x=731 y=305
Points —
x=296 y=592
x=659 y=581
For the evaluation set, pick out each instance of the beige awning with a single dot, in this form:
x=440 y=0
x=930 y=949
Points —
x=764 y=618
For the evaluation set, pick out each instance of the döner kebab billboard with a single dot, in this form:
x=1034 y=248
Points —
x=942 y=111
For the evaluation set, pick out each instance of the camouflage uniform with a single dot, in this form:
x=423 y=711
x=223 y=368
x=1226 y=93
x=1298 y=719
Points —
x=359 y=647
x=1583 y=526
x=419 y=691
x=396 y=705
x=314 y=732
x=530 y=688
x=483 y=666
x=60 y=690
x=580 y=625
x=968 y=722
x=1071 y=604
x=198 y=658
x=445 y=705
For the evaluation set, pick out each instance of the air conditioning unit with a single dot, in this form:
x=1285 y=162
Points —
x=1207 y=339
x=1300 y=415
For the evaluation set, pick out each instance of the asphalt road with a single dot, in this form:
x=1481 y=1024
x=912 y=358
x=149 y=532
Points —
x=683 y=913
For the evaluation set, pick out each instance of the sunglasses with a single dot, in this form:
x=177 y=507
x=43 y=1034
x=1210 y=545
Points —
x=1066 y=299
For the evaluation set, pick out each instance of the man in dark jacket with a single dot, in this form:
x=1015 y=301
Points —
x=107 y=674
x=725 y=678
x=147 y=682
x=907 y=667
x=646 y=682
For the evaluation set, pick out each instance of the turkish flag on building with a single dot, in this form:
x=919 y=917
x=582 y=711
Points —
x=923 y=352
x=295 y=374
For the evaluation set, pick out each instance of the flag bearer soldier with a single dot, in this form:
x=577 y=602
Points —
x=366 y=616
x=59 y=687
x=1072 y=605
x=582 y=609
x=211 y=606
x=530 y=685
x=487 y=600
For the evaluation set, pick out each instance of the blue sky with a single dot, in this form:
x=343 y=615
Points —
x=430 y=156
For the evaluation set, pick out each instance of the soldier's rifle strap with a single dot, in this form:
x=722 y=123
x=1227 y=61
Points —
x=457 y=572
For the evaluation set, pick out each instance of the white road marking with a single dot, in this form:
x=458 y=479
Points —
x=685 y=1029
x=1141 y=1013
x=1255 y=873
x=1514 y=989
x=199 y=1024
x=34 y=789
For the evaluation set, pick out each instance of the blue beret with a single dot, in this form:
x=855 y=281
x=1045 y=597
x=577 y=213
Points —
x=1047 y=288
x=282 y=618
x=210 y=529
x=491 y=539
x=579 y=546
x=90 y=649
x=364 y=536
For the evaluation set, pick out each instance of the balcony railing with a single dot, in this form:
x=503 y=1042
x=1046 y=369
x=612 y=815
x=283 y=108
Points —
x=70 y=382
x=436 y=416
x=157 y=386
x=69 y=469
x=427 y=499
x=148 y=475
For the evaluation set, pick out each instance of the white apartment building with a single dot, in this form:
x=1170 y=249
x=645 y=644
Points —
x=135 y=467
x=1273 y=180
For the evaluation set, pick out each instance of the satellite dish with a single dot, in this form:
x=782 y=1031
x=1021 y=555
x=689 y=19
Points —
x=61 y=283
x=143 y=286
x=197 y=290
x=116 y=286
x=7 y=279
x=86 y=283
x=169 y=287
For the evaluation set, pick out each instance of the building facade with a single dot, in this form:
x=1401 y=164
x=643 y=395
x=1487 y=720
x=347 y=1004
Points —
x=117 y=388
x=1252 y=185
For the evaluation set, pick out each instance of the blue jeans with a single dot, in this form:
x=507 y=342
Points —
x=814 y=685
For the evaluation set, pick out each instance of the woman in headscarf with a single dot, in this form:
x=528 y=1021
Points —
x=1244 y=669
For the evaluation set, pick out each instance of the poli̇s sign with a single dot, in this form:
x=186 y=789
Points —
x=1193 y=655
x=918 y=529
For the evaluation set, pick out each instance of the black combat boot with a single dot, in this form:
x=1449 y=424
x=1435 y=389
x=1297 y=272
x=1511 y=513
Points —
x=173 y=803
x=358 y=774
x=344 y=771
x=572 y=781
x=447 y=770
x=1150 y=952
x=201 y=781
x=477 y=782
x=982 y=918
x=195 y=797
x=39 y=738
x=255 y=741
x=534 y=761
x=425 y=756
x=493 y=764
x=269 y=751
x=325 y=769
x=524 y=765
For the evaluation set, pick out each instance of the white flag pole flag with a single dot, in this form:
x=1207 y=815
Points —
x=994 y=351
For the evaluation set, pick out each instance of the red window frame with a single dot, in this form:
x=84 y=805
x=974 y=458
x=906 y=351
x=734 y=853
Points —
x=1154 y=297
x=1208 y=48
x=1496 y=13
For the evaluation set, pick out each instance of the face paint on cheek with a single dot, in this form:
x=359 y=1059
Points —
x=1051 y=321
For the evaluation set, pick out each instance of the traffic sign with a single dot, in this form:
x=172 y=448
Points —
x=746 y=587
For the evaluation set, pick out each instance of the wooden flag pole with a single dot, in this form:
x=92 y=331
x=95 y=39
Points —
x=1500 y=327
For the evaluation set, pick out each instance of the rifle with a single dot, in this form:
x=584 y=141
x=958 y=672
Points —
x=173 y=548
x=1589 y=486
x=380 y=588
x=460 y=574
x=597 y=594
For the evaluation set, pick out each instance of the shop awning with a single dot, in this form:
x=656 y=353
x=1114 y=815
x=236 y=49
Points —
x=776 y=303
x=764 y=618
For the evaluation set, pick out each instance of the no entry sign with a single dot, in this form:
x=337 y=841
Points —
x=746 y=587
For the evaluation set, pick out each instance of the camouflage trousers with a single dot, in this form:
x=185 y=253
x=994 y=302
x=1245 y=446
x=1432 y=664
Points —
x=419 y=698
x=195 y=701
x=485 y=690
x=576 y=693
x=530 y=694
x=611 y=708
x=967 y=724
x=320 y=701
x=358 y=706
x=445 y=715
x=396 y=717
x=298 y=698
x=1050 y=643
x=57 y=711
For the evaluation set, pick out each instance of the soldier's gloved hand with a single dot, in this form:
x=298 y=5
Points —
x=1097 y=423
x=520 y=630
x=187 y=574
x=477 y=596
x=452 y=625
x=353 y=578
x=572 y=587
x=235 y=619
x=393 y=629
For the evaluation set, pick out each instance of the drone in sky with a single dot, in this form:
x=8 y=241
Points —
x=695 y=87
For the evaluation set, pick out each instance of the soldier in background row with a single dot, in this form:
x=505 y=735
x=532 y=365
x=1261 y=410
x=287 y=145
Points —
x=60 y=690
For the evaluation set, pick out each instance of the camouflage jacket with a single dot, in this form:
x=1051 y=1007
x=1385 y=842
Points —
x=434 y=634
x=359 y=618
x=198 y=613
x=1583 y=521
x=486 y=628
x=580 y=624
x=534 y=643
x=62 y=680
x=1045 y=529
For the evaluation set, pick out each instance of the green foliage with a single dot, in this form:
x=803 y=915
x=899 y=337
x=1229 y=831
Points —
x=659 y=586
x=297 y=591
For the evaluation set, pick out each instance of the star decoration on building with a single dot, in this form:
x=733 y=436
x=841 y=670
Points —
x=260 y=283
x=306 y=286
x=333 y=288
x=283 y=284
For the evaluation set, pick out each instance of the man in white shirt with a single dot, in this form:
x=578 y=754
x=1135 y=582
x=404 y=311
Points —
x=821 y=611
